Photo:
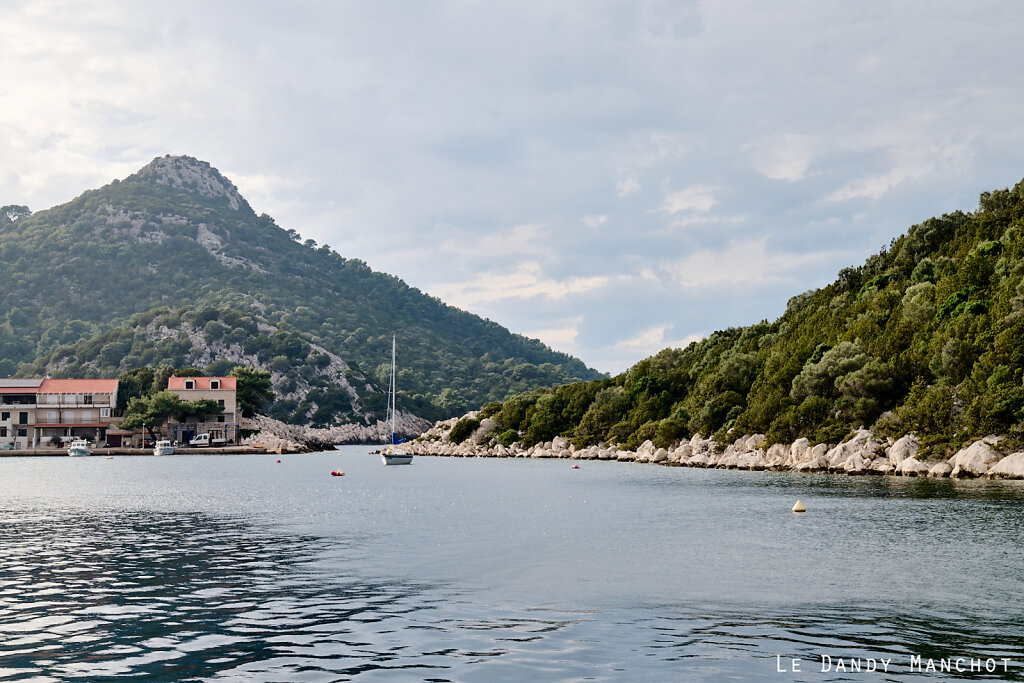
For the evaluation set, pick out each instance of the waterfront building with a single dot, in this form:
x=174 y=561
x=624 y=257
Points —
x=44 y=412
x=219 y=389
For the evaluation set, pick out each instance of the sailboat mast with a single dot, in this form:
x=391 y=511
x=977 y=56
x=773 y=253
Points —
x=392 y=407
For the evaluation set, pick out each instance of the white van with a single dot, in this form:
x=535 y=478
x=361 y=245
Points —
x=205 y=440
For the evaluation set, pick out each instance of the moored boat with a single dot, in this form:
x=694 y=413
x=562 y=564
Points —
x=163 y=447
x=79 y=448
x=391 y=454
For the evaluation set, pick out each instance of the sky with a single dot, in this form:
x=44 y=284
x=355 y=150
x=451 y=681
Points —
x=612 y=178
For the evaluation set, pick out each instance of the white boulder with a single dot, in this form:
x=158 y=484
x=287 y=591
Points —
x=975 y=460
x=905 y=447
x=1010 y=467
x=912 y=467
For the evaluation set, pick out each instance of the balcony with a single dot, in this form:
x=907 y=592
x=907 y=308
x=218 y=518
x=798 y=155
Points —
x=42 y=421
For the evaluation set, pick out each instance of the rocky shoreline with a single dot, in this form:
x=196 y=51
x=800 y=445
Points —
x=863 y=454
x=278 y=437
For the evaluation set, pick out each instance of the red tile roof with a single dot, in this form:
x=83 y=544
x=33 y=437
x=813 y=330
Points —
x=203 y=383
x=78 y=386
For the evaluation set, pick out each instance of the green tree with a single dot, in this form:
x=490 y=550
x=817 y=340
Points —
x=134 y=384
x=253 y=390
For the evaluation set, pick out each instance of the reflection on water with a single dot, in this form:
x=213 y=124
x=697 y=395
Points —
x=176 y=596
x=131 y=589
x=191 y=596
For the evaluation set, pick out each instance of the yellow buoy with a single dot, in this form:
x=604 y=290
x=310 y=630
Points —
x=799 y=507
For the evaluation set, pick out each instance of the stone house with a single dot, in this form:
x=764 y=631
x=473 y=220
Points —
x=219 y=389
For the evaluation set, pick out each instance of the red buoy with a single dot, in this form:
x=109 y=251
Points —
x=279 y=461
x=575 y=467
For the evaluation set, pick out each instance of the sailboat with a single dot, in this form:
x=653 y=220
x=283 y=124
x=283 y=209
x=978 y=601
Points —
x=391 y=454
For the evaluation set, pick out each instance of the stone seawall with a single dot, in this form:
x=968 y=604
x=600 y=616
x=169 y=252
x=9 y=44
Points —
x=864 y=454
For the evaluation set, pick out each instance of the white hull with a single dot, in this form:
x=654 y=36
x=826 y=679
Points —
x=396 y=458
x=163 y=450
x=79 y=452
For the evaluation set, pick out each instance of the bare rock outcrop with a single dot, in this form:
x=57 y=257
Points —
x=1010 y=467
x=912 y=467
x=976 y=459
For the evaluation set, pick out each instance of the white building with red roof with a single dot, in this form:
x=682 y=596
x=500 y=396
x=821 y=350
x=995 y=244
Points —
x=38 y=412
x=219 y=389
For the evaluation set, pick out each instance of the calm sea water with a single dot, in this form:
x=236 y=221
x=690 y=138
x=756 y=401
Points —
x=237 y=568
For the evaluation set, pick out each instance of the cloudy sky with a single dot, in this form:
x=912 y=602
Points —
x=610 y=177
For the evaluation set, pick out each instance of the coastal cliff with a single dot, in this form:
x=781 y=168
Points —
x=862 y=454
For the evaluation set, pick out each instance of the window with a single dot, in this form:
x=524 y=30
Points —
x=3 y=431
x=215 y=384
x=104 y=412
x=220 y=402
x=190 y=384
x=220 y=418
x=5 y=416
x=22 y=420
x=22 y=432
x=87 y=399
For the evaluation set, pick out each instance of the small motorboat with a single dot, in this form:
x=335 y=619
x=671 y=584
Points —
x=163 y=447
x=79 y=448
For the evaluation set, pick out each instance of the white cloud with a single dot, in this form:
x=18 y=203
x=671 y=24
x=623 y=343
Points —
x=907 y=164
x=525 y=239
x=876 y=186
x=695 y=198
x=698 y=219
x=561 y=338
x=627 y=186
x=783 y=157
x=652 y=340
x=743 y=264
x=595 y=221
x=524 y=283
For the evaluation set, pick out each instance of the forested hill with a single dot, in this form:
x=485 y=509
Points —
x=172 y=266
x=927 y=336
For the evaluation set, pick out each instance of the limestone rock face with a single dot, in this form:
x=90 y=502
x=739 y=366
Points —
x=681 y=453
x=698 y=460
x=558 y=444
x=754 y=442
x=912 y=467
x=942 y=469
x=861 y=442
x=813 y=465
x=660 y=455
x=856 y=464
x=975 y=460
x=881 y=466
x=1010 y=467
x=905 y=447
x=800 y=450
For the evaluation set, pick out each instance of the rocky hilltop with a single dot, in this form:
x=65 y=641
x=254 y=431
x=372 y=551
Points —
x=172 y=266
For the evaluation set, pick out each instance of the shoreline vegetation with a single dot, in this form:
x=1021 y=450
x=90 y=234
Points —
x=901 y=366
x=863 y=454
